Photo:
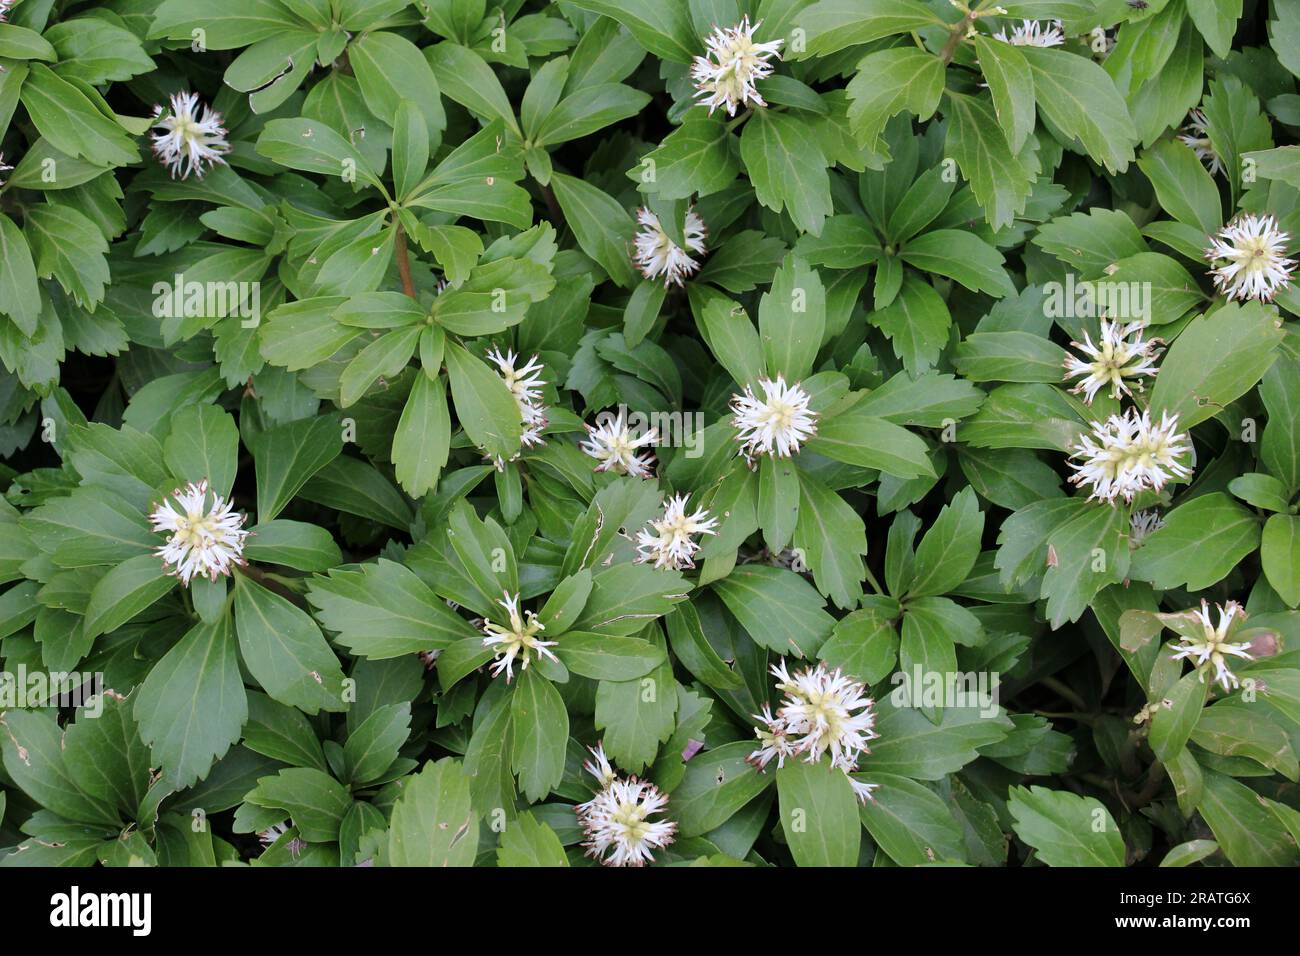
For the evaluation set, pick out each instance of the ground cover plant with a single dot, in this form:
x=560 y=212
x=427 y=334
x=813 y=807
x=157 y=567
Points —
x=670 y=432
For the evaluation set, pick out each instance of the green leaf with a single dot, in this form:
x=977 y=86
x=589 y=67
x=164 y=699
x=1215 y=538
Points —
x=1078 y=97
x=917 y=323
x=858 y=438
x=314 y=800
x=637 y=715
x=192 y=705
x=607 y=657
x=699 y=157
x=528 y=841
x=285 y=651
x=999 y=179
x=1009 y=357
x=912 y=745
x=949 y=548
x=1065 y=828
x=717 y=784
x=909 y=822
x=1183 y=186
x=1200 y=543
x=383 y=610
x=124 y=592
x=373 y=746
x=294 y=544
x=433 y=822
x=603 y=227
x=1011 y=85
x=888 y=82
x=288 y=455
x=203 y=443
x=1247 y=832
x=485 y=407
x=833 y=25
x=818 y=814
x=959 y=255
x=391 y=71
x=20 y=297
x=787 y=168
x=661 y=26
x=1091 y=552
x=314 y=147
x=692 y=648
x=1280 y=554
x=422 y=439
x=541 y=734
x=778 y=609
x=1180 y=709
x=832 y=538
x=792 y=320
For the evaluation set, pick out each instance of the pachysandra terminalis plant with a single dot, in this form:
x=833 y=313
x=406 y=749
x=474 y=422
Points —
x=649 y=433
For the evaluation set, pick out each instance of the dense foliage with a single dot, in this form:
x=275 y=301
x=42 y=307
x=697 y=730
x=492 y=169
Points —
x=833 y=422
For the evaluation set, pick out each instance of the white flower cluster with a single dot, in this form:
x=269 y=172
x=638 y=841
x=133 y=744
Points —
x=1033 y=33
x=205 y=538
x=192 y=136
x=518 y=640
x=657 y=255
x=612 y=444
x=777 y=423
x=670 y=545
x=1208 y=649
x=616 y=820
x=1120 y=355
x=1143 y=524
x=526 y=386
x=1252 y=249
x=726 y=74
x=823 y=711
x=1130 y=453
x=1196 y=134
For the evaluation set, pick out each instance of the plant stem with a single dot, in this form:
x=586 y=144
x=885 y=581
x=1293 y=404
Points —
x=553 y=206
x=404 y=262
x=871 y=579
x=955 y=38
x=1075 y=700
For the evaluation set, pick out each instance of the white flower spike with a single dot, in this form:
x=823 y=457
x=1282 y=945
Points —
x=4 y=167
x=1256 y=267
x=1196 y=135
x=518 y=641
x=671 y=544
x=1209 y=650
x=776 y=424
x=1143 y=524
x=1033 y=33
x=1128 y=454
x=526 y=386
x=616 y=820
x=823 y=711
x=192 y=136
x=612 y=443
x=1120 y=356
x=205 y=538
x=658 y=256
x=726 y=74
